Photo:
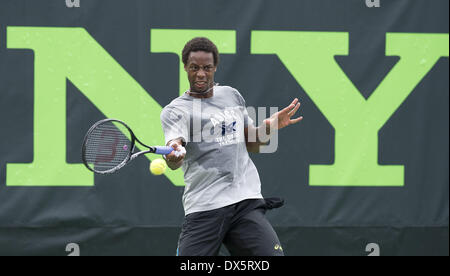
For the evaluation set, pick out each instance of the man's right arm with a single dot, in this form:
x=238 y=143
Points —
x=175 y=126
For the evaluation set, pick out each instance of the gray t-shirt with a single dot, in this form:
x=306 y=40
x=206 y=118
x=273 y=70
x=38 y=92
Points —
x=217 y=168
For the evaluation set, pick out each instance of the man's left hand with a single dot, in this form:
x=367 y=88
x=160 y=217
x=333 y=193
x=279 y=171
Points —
x=282 y=118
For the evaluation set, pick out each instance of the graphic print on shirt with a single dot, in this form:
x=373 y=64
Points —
x=227 y=121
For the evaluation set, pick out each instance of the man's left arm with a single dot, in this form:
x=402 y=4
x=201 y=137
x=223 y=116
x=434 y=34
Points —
x=279 y=120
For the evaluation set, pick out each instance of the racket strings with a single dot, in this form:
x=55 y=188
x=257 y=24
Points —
x=107 y=146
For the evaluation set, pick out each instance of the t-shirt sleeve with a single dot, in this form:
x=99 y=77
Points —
x=175 y=124
x=247 y=119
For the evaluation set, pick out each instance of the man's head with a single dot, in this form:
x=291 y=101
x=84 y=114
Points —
x=200 y=58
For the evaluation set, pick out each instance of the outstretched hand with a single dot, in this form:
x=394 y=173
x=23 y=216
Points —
x=282 y=118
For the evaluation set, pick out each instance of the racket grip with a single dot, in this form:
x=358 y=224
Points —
x=163 y=150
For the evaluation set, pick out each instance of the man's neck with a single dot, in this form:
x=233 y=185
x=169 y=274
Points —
x=202 y=95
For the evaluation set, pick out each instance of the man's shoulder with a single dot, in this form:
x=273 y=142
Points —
x=178 y=104
x=226 y=88
x=233 y=91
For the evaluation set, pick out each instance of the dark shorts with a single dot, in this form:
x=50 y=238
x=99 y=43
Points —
x=242 y=227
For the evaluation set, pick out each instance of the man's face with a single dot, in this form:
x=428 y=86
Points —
x=200 y=69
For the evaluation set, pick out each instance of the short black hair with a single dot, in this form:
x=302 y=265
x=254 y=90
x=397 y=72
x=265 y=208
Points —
x=200 y=44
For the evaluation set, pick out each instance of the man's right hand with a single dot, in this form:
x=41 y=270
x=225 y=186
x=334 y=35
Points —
x=175 y=158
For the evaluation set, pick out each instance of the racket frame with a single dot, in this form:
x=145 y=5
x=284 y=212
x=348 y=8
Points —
x=130 y=155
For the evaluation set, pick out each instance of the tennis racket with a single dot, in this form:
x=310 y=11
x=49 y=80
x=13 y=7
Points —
x=110 y=144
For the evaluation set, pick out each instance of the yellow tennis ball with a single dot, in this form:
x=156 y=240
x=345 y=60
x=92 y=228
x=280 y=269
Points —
x=158 y=166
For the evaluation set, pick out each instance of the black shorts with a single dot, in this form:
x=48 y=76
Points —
x=242 y=227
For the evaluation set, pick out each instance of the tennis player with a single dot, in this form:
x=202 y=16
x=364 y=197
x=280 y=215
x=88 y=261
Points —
x=210 y=128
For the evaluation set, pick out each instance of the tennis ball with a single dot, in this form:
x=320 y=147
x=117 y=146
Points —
x=158 y=166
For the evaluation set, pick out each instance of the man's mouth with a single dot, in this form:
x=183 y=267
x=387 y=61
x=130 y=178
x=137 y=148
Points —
x=200 y=84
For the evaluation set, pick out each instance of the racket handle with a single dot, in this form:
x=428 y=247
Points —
x=163 y=150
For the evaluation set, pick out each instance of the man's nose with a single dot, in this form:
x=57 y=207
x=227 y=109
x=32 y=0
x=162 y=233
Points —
x=201 y=73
